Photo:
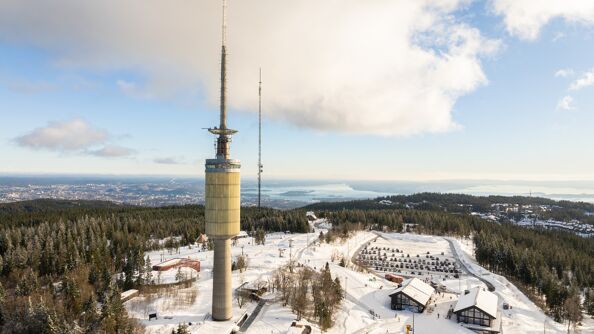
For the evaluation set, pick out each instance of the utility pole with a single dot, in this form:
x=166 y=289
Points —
x=260 y=140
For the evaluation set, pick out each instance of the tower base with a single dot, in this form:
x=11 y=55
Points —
x=222 y=308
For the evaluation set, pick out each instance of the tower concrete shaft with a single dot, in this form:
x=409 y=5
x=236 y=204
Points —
x=221 y=289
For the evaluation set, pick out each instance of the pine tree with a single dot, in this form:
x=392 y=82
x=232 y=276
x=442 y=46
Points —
x=148 y=269
x=71 y=295
x=2 y=298
x=179 y=276
x=182 y=329
x=589 y=301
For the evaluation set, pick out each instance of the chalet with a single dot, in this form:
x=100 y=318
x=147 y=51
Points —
x=253 y=289
x=478 y=308
x=202 y=238
x=413 y=295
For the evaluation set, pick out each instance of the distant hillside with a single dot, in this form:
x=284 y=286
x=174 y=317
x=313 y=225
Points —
x=46 y=204
x=450 y=202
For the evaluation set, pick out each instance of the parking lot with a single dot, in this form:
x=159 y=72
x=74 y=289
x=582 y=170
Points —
x=426 y=259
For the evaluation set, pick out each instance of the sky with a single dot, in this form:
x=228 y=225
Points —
x=362 y=90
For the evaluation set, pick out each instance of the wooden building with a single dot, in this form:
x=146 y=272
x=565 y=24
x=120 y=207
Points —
x=477 y=307
x=412 y=295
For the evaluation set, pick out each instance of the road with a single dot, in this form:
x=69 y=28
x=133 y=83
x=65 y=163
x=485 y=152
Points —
x=489 y=285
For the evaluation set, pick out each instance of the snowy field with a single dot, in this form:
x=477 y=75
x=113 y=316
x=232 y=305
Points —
x=366 y=308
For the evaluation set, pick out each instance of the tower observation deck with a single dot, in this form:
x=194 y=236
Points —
x=222 y=192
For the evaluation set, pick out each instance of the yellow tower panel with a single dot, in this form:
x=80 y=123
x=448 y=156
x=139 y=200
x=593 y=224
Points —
x=223 y=206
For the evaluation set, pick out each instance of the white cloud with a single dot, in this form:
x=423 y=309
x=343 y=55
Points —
x=73 y=136
x=587 y=79
x=112 y=151
x=525 y=18
x=566 y=103
x=69 y=135
x=384 y=67
x=564 y=72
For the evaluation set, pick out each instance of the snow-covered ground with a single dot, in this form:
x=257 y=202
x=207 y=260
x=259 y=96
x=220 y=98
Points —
x=366 y=308
x=525 y=316
x=192 y=305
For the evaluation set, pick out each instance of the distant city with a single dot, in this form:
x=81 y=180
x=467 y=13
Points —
x=284 y=194
x=162 y=191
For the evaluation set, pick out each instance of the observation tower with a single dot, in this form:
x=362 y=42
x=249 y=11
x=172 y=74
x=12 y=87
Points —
x=222 y=194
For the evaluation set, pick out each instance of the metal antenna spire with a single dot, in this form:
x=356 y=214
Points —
x=260 y=139
x=223 y=104
x=222 y=131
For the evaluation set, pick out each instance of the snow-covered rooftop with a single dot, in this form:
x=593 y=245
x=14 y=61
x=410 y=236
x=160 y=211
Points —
x=485 y=301
x=416 y=289
x=169 y=262
x=128 y=293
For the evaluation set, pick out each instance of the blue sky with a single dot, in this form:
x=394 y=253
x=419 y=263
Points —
x=118 y=111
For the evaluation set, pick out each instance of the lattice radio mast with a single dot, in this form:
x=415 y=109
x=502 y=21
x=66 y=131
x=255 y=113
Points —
x=260 y=140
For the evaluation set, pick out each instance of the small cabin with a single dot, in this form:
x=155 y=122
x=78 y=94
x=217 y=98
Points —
x=413 y=295
x=477 y=307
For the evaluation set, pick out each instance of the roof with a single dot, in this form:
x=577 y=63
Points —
x=416 y=290
x=170 y=262
x=484 y=300
x=128 y=293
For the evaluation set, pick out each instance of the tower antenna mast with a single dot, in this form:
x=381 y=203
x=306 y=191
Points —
x=260 y=139
x=224 y=134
